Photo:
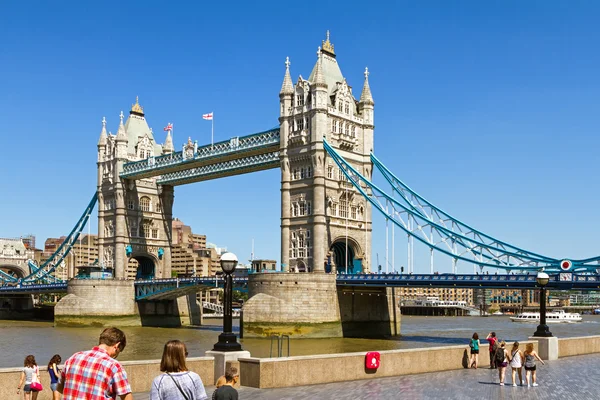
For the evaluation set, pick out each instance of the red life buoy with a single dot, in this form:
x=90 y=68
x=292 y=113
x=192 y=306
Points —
x=372 y=360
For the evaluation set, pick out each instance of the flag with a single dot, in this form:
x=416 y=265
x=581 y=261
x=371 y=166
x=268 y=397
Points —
x=169 y=127
x=208 y=116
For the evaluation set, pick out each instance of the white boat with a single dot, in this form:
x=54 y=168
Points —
x=498 y=313
x=553 y=317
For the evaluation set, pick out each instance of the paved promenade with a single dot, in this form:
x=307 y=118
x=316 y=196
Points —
x=567 y=378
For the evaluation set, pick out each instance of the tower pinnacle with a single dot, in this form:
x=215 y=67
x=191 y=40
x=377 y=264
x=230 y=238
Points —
x=366 y=96
x=319 y=78
x=328 y=46
x=103 y=135
x=287 y=87
x=121 y=136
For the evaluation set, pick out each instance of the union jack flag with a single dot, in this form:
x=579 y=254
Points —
x=169 y=127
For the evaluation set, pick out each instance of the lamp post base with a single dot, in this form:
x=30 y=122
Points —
x=227 y=342
x=542 y=331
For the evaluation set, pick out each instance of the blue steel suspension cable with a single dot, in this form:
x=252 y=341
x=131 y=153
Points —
x=538 y=263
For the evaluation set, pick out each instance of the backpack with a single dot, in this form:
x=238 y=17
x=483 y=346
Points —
x=499 y=356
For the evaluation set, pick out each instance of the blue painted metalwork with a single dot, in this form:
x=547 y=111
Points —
x=237 y=147
x=222 y=169
x=43 y=272
x=414 y=215
x=161 y=289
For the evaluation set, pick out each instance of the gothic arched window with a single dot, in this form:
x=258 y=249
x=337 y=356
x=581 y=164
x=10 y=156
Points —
x=145 y=203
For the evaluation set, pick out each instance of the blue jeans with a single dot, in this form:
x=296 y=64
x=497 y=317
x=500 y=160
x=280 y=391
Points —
x=53 y=386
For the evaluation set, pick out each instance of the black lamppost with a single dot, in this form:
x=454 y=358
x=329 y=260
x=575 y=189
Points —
x=227 y=339
x=542 y=329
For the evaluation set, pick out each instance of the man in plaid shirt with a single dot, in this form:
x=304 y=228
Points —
x=96 y=374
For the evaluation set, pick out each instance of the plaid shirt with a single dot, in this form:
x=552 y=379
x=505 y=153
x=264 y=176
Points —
x=93 y=375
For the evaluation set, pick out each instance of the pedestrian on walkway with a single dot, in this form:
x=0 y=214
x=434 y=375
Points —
x=530 y=367
x=30 y=369
x=227 y=391
x=501 y=358
x=177 y=380
x=54 y=374
x=493 y=342
x=474 y=345
x=516 y=363
x=96 y=374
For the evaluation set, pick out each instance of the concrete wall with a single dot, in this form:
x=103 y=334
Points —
x=311 y=370
x=578 y=345
x=140 y=374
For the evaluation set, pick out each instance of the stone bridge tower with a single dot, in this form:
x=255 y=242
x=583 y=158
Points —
x=134 y=216
x=325 y=222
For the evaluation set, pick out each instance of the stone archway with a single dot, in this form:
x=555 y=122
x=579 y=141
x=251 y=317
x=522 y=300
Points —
x=16 y=271
x=144 y=266
x=345 y=260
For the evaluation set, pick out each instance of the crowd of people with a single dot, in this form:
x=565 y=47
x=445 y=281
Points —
x=501 y=358
x=96 y=374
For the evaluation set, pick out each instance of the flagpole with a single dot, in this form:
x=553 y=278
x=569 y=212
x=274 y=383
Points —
x=212 y=129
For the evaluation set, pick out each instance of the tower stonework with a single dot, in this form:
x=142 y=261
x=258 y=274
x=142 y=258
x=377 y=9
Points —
x=134 y=216
x=325 y=222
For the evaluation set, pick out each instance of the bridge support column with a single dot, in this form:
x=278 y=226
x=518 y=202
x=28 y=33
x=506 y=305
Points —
x=97 y=302
x=299 y=305
x=369 y=312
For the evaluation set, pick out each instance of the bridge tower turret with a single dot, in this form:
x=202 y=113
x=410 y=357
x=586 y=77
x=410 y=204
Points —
x=326 y=224
x=134 y=216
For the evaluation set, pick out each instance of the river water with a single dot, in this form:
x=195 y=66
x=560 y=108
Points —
x=42 y=339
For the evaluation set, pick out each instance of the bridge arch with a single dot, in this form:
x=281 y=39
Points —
x=18 y=271
x=338 y=256
x=144 y=265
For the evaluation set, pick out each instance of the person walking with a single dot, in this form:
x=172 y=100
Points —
x=96 y=374
x=501 y=358
x=474 y=345
x=493 y=342
x=176 y=380
x=30 y=369
x=516 y=363
x=530 y=367
x=54 y=374
x=227 y=391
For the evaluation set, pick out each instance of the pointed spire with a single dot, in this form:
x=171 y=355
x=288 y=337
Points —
x=366 y=96
x=287 y=87
x=121 y=136
x=319 y=78
x=168 y=146
x=103 y=135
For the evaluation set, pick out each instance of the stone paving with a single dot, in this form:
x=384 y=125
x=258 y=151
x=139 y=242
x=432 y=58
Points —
x=568 y=378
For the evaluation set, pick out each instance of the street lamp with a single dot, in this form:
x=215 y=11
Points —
x=542 y=329
x=227 y=339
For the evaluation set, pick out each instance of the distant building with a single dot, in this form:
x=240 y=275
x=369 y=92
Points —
x=84 y=252
x=13 y=257
x=264 y=265
x=444 y=294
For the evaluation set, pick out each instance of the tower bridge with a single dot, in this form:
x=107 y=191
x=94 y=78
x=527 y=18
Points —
x=324 y=147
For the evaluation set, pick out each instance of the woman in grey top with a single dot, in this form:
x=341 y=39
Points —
x=30 y=368
x=176 y=382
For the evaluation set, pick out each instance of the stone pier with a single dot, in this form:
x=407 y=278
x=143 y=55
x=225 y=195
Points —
x=310 y=305
x=107 y=302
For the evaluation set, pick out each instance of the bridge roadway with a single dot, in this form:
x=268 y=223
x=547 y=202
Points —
x=164 y=289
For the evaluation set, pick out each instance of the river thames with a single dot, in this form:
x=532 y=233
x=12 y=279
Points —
x=42 y=339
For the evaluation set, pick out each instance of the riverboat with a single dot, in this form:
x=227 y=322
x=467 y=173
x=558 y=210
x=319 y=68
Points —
x=553 y=317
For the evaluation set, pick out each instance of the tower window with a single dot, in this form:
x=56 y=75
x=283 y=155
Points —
x=347 y=108
x=330 y=172
x=353 y=131
x=130 y=204
x=347 y=130
x=299 y=99
x=145 y=203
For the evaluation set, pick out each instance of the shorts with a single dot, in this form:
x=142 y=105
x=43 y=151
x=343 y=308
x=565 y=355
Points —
x=53 y=386
x=27 y=388
x=530 y=368
x=504 y=364
x=474 y=351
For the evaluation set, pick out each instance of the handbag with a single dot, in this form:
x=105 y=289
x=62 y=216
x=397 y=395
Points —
x=35 y=381
x=178 y=387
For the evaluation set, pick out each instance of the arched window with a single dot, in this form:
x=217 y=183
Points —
x=347 y=108
x=145 y=203
x=130 y=204
x=330 y=171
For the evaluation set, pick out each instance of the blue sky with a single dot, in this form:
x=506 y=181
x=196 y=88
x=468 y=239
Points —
x=488 y=109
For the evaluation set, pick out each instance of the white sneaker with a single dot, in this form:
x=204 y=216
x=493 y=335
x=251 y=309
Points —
x=501 y=384
x=528 y=385
x=534 y=385
x=514 y=384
